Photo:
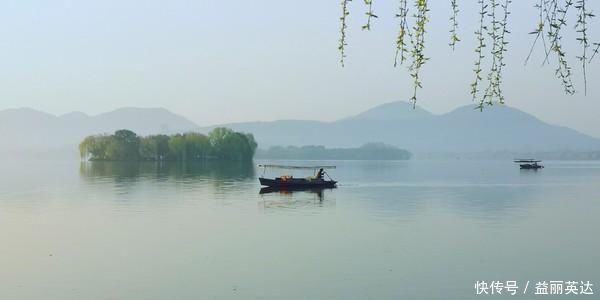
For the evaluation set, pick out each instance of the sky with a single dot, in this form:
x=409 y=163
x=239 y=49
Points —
x=231 y=61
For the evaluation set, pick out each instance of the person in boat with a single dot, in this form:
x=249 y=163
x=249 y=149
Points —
x=320 y=174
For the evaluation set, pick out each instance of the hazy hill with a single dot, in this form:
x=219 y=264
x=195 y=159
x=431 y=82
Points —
x=498 y=128
x=26 y=129
x=393 y=111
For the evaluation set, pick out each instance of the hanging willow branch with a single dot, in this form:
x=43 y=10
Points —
x=551 y=13
x=539 y=30
x=401 y=49
x=595 y=51
x=496 y=31
x=418 y=44
x=342 y=45
x=454 y=24
x=370 y=14
x=416 y=36
x=493 y=33
x=501 y=50
x=557 y=18
x=479 y=51
x=493 y=16
x=581 y=27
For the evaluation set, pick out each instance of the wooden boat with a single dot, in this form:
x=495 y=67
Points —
x=529 y=164
x=286 y=190
x=290 y=182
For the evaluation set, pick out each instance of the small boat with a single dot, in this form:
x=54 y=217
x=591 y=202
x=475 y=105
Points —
x=286 y=190
x=291 y=182
x=529 y=164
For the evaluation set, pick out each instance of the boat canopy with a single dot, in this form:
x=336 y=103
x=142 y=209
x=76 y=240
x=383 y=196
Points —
x=527 y=161
x=296 y=167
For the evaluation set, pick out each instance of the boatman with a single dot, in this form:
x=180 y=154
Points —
x=320 y=174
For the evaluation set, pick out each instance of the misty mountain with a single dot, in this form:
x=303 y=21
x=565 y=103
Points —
x=393 y=111
x=465 y=129
x=497 y=128
x=28 y=129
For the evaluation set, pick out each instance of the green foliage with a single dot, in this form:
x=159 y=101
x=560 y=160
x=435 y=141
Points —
x=493 y=24
x=155 y=147
x=479 y=49
x=557 y=20
x=492 y=29
x=401 y=46
x=581 y=27
x=454 y=24
x=497 y=32
x=343 y=43
x=552 y=17
x=418 y=43
x=370 y=14
x=95 y=146
x=197 y=145
x=125 y=145
x=227 y=144
x=177 y=147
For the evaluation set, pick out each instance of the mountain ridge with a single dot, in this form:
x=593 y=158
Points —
x=464 y=129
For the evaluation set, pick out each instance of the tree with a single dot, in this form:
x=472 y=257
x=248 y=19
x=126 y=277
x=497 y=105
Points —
x=154 y=147
x=222 y=143
x=177 y=147
x=218 y=139
x=95 y=147
x=197 y=145
x=227 y=144
x=124 y=145
x=252 y=144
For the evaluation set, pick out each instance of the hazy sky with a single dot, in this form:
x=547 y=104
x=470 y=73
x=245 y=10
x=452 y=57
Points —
x=225 y=61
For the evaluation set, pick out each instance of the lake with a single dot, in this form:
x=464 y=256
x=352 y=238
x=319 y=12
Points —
x=391 y=230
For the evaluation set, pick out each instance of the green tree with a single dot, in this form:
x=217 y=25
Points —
x=125 y=145
x=218 y=139
x=221 y=143
x=177 y=147
x=95 y=147
x=197 y=145
x=227 y=144
x=155 y=147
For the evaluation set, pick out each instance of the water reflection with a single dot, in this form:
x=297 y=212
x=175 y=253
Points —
x=217 y=170
x=290 y=190
x=273 y=198
x=164 y=182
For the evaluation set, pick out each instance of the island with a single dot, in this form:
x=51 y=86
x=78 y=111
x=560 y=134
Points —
x=125 y=145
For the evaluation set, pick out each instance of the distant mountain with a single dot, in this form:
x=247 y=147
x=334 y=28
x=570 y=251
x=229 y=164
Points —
x=393 y=111
x=28 y=129
x=465 y=129
x=497 y=128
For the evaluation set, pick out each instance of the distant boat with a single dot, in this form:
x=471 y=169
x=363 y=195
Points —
x=529 y=164
x=290 y=182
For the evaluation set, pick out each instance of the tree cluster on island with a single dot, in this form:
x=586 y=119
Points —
x=125 y=145
x=369 y=151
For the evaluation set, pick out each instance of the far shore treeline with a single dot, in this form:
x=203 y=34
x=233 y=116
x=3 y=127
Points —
x=370 y=151
x=125 y=145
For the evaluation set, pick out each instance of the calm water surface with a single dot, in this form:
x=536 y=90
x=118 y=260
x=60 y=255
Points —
x=392 y=230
